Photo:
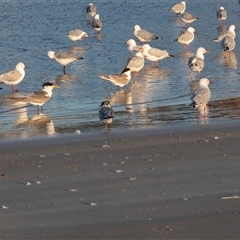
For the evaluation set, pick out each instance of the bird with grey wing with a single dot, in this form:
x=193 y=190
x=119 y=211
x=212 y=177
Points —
x=40 y=97
x=201 y=96
x=106 y=113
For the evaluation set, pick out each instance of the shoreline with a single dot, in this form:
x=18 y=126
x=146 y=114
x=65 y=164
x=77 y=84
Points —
x=144 y=184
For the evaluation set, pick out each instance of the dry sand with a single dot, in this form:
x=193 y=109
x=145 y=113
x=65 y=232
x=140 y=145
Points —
x=157 y=183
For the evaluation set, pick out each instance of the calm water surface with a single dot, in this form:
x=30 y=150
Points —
x=29 y=29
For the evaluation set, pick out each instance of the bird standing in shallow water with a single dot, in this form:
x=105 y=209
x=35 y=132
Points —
x=91 y=10
x=196 y=63
x=40 y=97
x=201 y=96
x=14 y=77
x=178 y=8
x=97 y=23
x=119 y=80
x=106 y=113
x=186 y=37
x=142 y=35
x=63 y=58
x=77 y=34
x=221 y=14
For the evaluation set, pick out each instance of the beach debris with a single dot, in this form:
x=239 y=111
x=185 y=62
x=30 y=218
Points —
x=217 y=137
x=4 y=207
x=77 y=131
x=118 y=171
x=132 y=178
x=42 y=156
x=104 y=164
x=38 y=182
x=122 y=162
x=126 y=157
x=39 y=166
x=93 y=204
x=185 y=199
x=67 y=154
x=28 y=183
x=72 y=190
x=230 y=197
x=1 y=174
x=106 y=146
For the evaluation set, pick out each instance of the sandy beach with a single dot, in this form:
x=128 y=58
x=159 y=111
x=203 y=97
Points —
x=154 y=183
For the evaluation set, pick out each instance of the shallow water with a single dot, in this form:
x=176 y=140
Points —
x=29 y=29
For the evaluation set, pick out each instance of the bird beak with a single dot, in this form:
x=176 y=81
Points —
x=56 y=86
x=25 y=67
x=210 y=82
x=207 y=51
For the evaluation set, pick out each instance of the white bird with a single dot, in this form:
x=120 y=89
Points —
x=178 y=8
x=221 y=14
x=77 y=34
x=14 y=77
x=63 y=58
x=154 y=55
x=132 y=46
x=91 y=10
x=187 y=18
x=230 y=33
x=40 y=97
x=136 y=63
x=97 y=23
x=142 y=35
x=196 y=63
x=228 y=40
x=119 y=80
x=228 y=44
x=106 y=113
x=186 y=37
x=201 y=96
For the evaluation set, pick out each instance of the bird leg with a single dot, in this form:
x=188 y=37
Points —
x=64 y=70
x=14 y=89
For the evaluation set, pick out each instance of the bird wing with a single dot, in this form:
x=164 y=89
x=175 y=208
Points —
x=11 y=76
x=201 y=95
x=134 y=62
x=146 y=35
x=37 y=97
x=106 y=113
x=158 y=53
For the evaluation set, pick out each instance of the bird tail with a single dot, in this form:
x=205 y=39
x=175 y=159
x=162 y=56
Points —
x=105 y=77
x=170 y=55
x=193 y=104
x=79 y=58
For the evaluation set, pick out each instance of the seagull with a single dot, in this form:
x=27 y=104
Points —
x=227 y=39
x=91 y=10
x=142 y=35
x=178 y=8
x=154 y=54
x=63 y=58
x=186 y=37
x=201 y=96
x=14 y=77
x=132 y=46
x=40 y=97
x=230 y=33
x=228 y=44
x=106 y=113
x=97 y=23
x=221 y=14
x=196 y=63
x=136 y=63
x=187 y=18
x=119 y=80
x=77 y=34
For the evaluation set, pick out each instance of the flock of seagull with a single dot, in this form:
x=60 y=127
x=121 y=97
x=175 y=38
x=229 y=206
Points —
x=200 y=96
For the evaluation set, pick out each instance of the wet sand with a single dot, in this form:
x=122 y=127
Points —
x=156 y=183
